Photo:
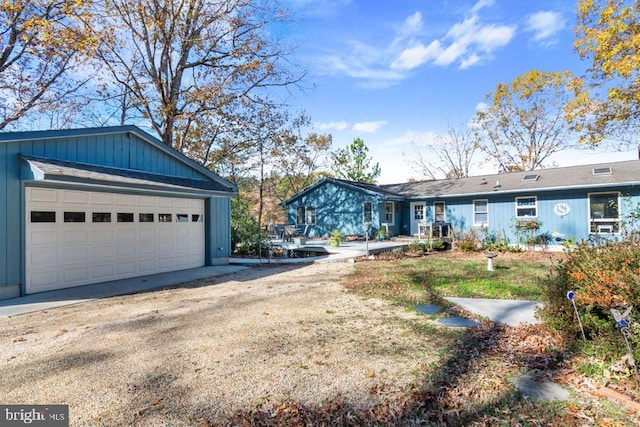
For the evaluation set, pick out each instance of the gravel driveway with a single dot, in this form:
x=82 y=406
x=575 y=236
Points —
x=204 y=350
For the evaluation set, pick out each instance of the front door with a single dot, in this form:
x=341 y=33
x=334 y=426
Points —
x=418 y=215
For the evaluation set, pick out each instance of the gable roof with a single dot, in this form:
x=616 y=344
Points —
x=371 y=189
x=110 y=130
x=73 y=172
x=622 y=174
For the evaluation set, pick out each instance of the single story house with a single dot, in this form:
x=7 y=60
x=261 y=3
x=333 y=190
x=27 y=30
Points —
x=92 y=205
x=570 y=203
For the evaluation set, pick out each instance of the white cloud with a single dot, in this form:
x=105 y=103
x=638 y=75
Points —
x=545 y=25
x=466 y=43
x=368 y=127
x=415 y=56
x=480 y=5
x=339 y=126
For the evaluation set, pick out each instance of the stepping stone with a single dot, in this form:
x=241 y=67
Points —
x=458 y=322
x=429 y=309
x=539 y=389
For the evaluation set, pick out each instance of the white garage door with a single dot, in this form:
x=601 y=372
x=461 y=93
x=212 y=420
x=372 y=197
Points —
x=76 y=238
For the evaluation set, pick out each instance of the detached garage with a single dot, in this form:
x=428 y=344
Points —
x=87 y=206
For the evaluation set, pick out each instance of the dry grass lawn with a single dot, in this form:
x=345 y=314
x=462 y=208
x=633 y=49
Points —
x=200 y=352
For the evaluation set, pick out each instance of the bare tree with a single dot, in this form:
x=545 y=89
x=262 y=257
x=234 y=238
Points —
x=43 y=49
x=182 y=60
x=450 y=155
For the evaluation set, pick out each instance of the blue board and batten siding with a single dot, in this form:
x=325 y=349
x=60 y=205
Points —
x=124 y=147
x=342 y=207
x=563 y=212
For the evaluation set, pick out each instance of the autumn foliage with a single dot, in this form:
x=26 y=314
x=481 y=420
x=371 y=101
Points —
x=602 y=277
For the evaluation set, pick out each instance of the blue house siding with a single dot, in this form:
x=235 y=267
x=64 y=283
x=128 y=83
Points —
x=124 y=148
x=502 y=211
x=562 y=201
x=337 y=207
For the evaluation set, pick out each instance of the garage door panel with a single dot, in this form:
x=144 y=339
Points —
x=75 y=197
x=60 y=254
x=44 y=195
x=46 y=257
x=77 y=254
x=125 y=251
x=76 y=276
x=102 y=272
x=44 y=237
x=102 y=236
x=76 y=236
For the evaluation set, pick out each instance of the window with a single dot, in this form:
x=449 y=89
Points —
x=604 y=215
x=196 y=218
x=603 y=171
x=526 y=207
x=480 y=212
x=367 y=212
x=418 y=212
x=182 y=218
x=310 y=216
x=43 y=216
x=124 y=217
x=306 y=215
x=166 y=217
x=438 y=208
x=389 y=210
x=145 y=217
x=101 y=217
x=74 y=217
x=531 y=177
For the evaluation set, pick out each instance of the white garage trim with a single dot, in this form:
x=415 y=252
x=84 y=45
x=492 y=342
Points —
x=76 y=238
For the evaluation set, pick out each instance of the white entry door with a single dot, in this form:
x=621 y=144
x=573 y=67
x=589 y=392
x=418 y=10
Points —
x=76 y=237
x=418 y=215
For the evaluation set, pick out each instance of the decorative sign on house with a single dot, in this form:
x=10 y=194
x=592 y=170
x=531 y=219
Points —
x=575 y=202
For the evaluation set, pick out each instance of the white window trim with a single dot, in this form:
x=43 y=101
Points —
x=535 y=206
x=363 y=211
x=305 y=215
x=481 y=224
x=618 y=220
x=444 y=211
x=393 y=213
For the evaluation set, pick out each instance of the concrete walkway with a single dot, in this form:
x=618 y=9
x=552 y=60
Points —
x=62 y=297
x=509 y=312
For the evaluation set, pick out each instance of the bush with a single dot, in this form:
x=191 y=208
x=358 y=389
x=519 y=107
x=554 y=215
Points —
x=602 y=277
x=244 y=234
x=469 y=241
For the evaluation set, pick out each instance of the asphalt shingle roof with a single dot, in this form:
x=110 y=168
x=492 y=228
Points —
x=623 y=173
x=61 y=170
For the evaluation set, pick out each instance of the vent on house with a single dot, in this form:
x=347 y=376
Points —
x=531 y=177
x=483 y=181
x=603 y=171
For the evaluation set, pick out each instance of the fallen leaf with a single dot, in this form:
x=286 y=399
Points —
x=19 y=339
x=319 y=362
x=370 y=374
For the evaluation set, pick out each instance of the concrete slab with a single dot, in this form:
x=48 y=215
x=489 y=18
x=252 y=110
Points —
x=62 y=297
x=429 y=309
x=458 y=322
x=509 y=312
x=539 y=389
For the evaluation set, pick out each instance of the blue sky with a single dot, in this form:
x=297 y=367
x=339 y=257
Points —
x=397 y=73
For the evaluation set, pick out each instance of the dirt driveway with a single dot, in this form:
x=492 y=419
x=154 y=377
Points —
x=203 y=351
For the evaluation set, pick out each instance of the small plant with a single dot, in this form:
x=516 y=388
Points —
x=469 y=241
x=335 y=237
x=381 y=235
x=437 y=245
